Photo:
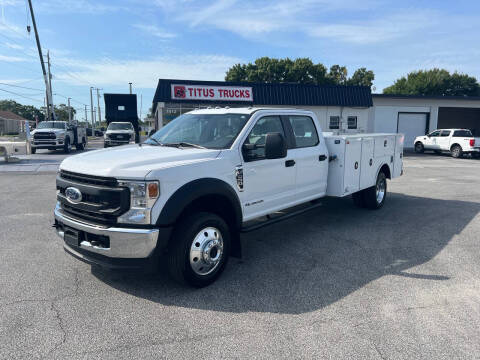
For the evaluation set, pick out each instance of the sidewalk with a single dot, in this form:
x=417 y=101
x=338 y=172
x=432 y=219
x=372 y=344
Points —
x=30 y=165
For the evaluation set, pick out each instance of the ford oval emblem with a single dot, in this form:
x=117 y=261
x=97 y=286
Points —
x=73 y=195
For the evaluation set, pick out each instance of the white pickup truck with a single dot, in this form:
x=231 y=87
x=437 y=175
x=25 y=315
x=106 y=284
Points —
x=54 y=135
x=119 y=133
x=456 y=141
x=186 y=193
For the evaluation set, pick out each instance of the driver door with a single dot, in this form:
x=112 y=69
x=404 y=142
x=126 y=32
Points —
x=431 y=141
x=269 y=184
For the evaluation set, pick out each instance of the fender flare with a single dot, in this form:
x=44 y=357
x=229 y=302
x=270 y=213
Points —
x=389 y=170
x=194 y=190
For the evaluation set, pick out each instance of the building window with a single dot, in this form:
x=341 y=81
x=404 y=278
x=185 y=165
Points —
x=334 y=122
x=352 y=122
x=121 y=107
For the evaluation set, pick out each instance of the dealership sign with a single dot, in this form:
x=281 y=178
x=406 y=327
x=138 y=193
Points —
x=217 y=93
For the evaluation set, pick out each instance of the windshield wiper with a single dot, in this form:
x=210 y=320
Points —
x=184 y=144
x=156 y=141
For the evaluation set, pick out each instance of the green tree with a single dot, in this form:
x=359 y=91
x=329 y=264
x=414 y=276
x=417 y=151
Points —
x=61 y=111
x=300 y=70
x=362 y=77
x=338 y=75
x=26 y=111
x=435 y=82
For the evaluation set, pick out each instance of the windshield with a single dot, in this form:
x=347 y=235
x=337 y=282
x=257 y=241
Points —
x=51 y=125
x=212 y=131
x=120 y=126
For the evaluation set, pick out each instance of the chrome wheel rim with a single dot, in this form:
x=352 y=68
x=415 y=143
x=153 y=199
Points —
x=206 y=251
x=380 y=190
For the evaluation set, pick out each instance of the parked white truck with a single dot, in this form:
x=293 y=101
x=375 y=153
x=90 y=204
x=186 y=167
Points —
x=54 y=135
x=187 y=192
x=119 y=133
x=455 y=141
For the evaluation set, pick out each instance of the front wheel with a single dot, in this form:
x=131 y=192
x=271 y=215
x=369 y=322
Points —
x=419 y=148
x=199 y=249
x=475 y=155
x=375 y=196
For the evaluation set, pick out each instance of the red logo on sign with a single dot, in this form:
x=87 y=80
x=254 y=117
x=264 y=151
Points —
x=179 y=92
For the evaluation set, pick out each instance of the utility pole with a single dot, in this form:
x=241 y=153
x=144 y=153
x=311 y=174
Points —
x=49 y=74
x=86 y=118
x=91 y=104
x=94 y=116
x=39 y=47
x=69 y=111
x=98 y=107
x=130 y=88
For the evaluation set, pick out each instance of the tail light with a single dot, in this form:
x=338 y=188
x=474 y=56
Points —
x=472 y=142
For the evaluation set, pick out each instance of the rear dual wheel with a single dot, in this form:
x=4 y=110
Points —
x=373 y=197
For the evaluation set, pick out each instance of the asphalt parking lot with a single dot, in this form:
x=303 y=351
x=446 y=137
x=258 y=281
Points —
x=339 y=282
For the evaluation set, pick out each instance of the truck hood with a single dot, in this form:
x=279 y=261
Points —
x=134 y=161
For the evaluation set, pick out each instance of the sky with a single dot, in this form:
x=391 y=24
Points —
x=107 y=44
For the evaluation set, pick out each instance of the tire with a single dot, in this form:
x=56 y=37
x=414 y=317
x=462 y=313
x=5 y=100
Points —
x=419 y=148
x=475 y=155
x=67 y=147
x=456 y=151
x=80 y=146
x=198 y=250
x=374 y=196
x=34 y=150
x=359 y=199
x=105 y=146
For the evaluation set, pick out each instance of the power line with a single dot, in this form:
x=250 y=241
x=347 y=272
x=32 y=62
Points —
x=18 y=86
x=26 y=97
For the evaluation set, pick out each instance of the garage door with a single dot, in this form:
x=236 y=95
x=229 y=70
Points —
x=411 y=125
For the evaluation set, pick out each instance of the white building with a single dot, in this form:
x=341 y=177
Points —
x=419 y=115
x=344 y=108
x=350 y=109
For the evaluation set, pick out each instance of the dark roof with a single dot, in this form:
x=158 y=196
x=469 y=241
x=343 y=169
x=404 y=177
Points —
x=279 y=94
x=428 y=97
x=8 y=115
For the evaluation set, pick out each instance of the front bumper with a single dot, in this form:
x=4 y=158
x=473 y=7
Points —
x=112 y=247
x=117 y=142
x=47 y=144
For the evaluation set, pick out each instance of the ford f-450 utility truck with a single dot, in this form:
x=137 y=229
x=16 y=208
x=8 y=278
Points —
x=186 y=193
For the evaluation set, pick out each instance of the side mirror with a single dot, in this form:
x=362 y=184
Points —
x=275 y=146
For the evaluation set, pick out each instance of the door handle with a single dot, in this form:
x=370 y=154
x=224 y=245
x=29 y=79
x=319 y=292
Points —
x=289 y=163
x=322 y=157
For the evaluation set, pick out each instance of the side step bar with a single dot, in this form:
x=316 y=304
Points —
x=273 y=220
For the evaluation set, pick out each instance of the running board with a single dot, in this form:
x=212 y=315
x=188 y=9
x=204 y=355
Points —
x=273 y=220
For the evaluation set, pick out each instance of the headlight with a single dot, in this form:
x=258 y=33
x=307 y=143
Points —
x=60 y=135
x=143 y=195
x=105 y=136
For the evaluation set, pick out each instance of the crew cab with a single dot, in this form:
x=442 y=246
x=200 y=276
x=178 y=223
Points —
x=455 y=141
x=119 y=133
x=55 y=135
x=186 y=193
